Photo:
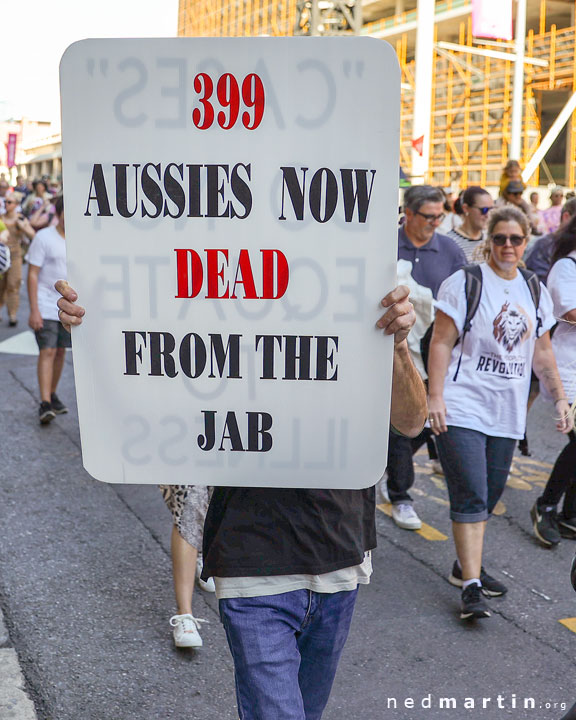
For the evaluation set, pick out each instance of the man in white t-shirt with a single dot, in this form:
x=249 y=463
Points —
x=47 y=263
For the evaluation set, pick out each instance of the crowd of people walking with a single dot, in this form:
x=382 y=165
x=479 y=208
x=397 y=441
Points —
x=485 y=351
x=492 y=279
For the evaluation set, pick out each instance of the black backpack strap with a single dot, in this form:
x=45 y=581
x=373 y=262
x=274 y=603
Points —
x=533 y=283
x=473 y=288
x=473 y=292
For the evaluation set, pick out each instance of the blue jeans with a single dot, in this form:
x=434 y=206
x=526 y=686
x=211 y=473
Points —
x=476 y=468
x=286 y=649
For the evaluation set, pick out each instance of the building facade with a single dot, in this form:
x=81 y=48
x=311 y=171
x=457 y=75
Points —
x=471 y=118
x=28 y=133
x=42 y=157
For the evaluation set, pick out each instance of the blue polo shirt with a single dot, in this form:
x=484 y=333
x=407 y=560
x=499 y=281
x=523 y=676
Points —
x=432 y=263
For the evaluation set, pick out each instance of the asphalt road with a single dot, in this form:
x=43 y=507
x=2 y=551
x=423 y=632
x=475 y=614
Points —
x=85 y=587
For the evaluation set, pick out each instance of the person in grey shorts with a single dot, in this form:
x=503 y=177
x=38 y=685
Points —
x=46 y=264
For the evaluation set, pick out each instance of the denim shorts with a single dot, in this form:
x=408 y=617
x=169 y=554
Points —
x=53 y=335
x=476 y=467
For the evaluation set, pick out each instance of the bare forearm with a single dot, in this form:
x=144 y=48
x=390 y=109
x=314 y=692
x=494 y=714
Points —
x=29 y=231
x=438 y=362
x=409 y=409
x=547 y=372
x=32 y=286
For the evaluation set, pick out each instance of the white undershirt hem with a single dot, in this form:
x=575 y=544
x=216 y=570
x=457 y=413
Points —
x=345 y=579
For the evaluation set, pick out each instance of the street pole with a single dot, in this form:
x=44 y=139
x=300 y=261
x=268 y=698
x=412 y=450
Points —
x=314 y=19
x=515 y=150
x=423 y=91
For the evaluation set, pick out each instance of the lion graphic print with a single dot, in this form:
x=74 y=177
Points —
x=512 y=326
x=494 y=357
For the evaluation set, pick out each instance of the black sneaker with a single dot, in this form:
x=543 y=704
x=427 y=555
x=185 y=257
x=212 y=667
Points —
x=490 y=586
x=523 y=447
x=545 y=525
x=57 y=405
x=473 y=603
x=45 y=413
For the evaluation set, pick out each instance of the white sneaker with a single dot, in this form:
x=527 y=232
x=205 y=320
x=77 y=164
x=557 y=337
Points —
x=405 y=517
x=185 y=632
x=206 y=585
x=437 y=467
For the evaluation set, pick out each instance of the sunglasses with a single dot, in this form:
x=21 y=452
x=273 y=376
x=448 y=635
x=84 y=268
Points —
x=431 y=218
x=500 y=239
x=483 y=210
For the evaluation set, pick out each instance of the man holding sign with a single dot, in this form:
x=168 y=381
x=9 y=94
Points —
x=287 y=563
x=229 y=234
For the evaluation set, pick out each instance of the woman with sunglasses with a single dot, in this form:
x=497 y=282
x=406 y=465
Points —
x=473 y=205
x=479 y=378
x=547 y=524
x=20 y=232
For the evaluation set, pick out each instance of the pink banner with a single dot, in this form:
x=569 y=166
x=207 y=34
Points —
x=11 y=150
x=492 y=19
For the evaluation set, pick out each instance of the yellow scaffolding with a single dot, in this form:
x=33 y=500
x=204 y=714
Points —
x=236 y=18
x=472 y=99
x=472 y=94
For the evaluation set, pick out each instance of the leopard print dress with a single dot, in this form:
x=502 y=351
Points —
x=188 y=505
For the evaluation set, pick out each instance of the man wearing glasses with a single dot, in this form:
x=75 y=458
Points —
x=434 y=257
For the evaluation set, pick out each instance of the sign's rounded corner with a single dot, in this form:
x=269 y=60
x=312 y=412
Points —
x=385 y=50
x=390 y=52
x=71 y=50
x=95 y=475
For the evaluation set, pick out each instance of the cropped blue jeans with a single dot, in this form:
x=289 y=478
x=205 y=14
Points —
x=476 y=467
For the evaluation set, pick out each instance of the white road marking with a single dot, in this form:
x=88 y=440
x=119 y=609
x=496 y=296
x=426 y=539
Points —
x=22 y=344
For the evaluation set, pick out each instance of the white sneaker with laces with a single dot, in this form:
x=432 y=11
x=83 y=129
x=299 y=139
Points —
x=206 y=585
x=185 y=631
x=405 y=517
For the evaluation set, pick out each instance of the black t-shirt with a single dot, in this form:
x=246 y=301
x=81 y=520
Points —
x=269 y=531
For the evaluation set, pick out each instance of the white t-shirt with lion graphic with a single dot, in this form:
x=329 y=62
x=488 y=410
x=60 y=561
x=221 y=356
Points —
x=491 y=391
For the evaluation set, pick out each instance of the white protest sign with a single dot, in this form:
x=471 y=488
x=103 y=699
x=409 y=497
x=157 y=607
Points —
x=231 y=210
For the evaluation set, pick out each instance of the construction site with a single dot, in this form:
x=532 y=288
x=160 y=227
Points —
x=482 y=101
